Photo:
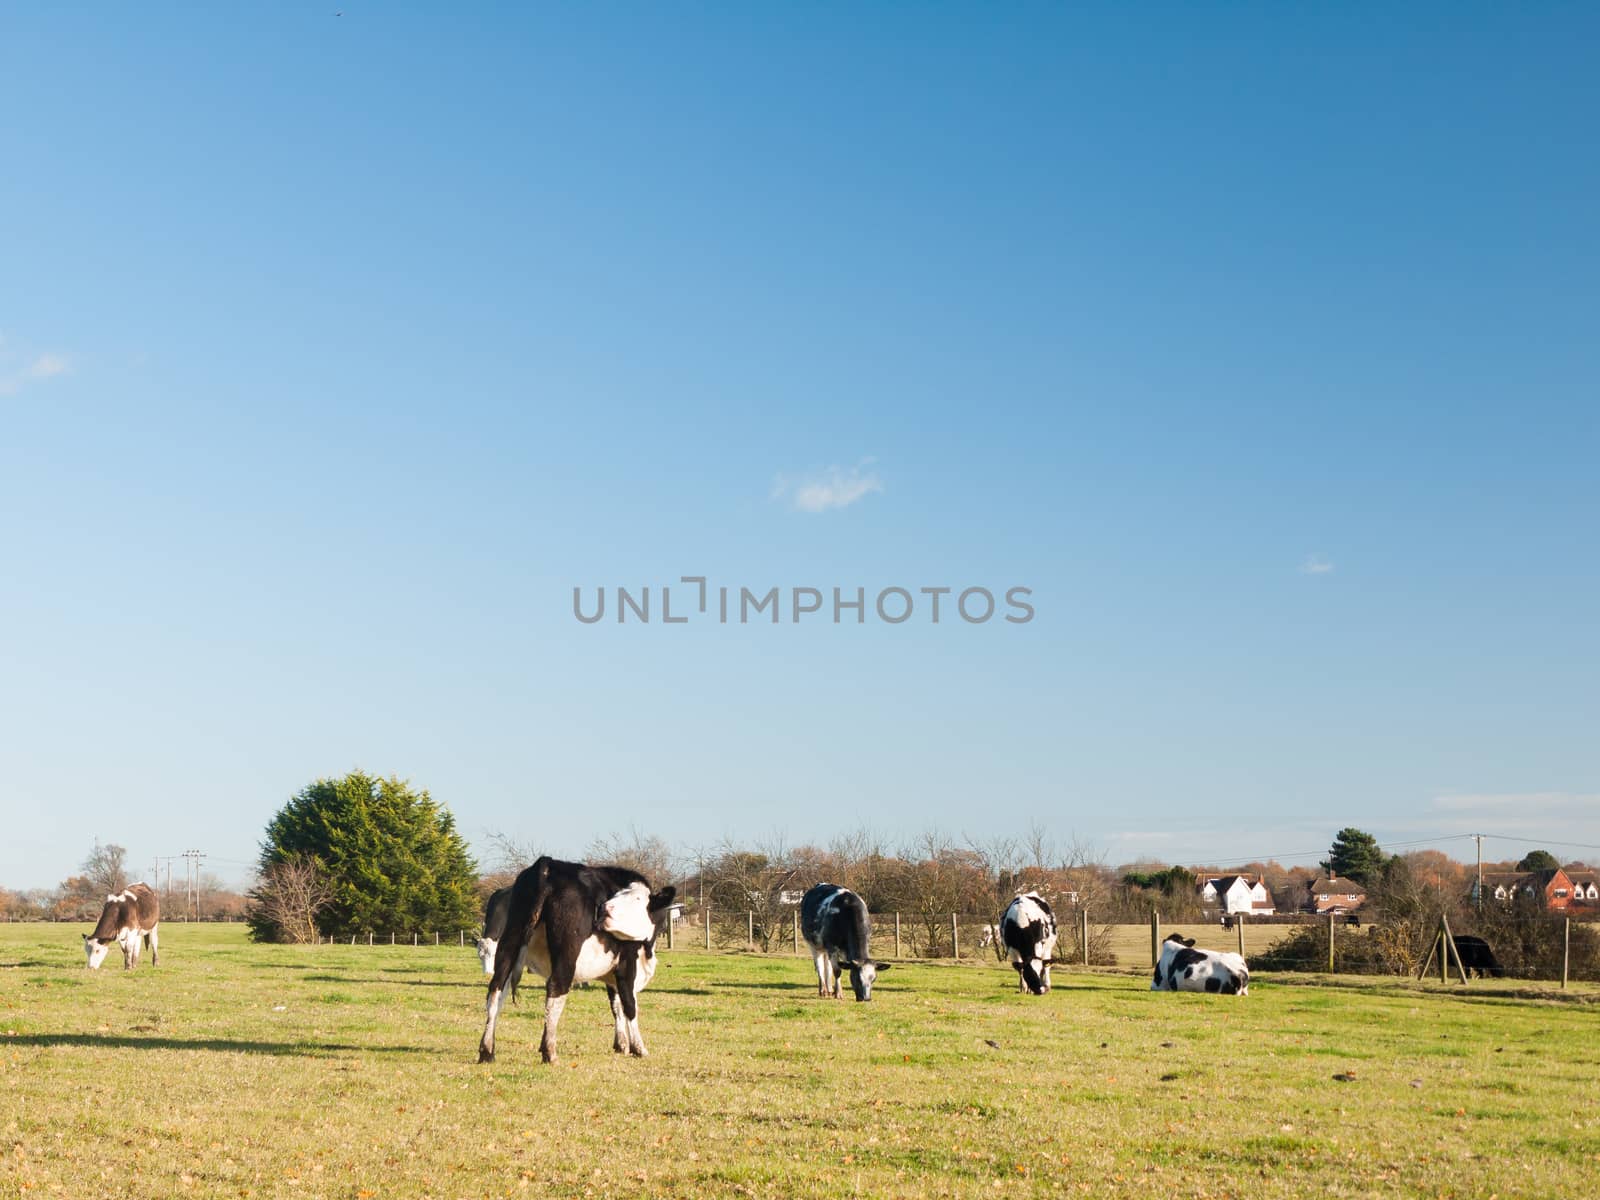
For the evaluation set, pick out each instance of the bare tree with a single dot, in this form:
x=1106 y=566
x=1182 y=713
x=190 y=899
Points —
x=942 y=878
x=763 y=881
x=285 y=904
x=648 y=854
x=106 y=868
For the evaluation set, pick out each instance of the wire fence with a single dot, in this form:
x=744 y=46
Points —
x=1508 y=946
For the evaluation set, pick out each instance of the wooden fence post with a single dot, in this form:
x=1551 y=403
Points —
x=1566 y=947
x=955 y=938
x=369 y=937
x=897 y=935
x=463 y=937
x=708 y=927
x=1155 y=939
x=414 y=936
x=1238 y=923
x=1083 y=937
x=750 y=926
x=672 y=928
x=797 y=931
x=1331 y=928
x=1450 y=947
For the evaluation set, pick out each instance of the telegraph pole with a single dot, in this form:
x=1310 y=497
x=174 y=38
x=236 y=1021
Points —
x=191 y=895
x=1478 y=837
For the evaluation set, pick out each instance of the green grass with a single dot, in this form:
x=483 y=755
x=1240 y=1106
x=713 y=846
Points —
x=339 y=1071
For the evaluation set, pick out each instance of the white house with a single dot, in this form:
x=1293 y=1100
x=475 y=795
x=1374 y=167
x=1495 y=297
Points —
x=1237 y=894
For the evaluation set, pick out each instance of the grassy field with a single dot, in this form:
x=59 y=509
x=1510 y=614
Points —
x=235 y=1070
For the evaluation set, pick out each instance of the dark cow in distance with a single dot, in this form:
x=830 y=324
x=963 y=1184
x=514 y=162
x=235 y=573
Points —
x=835 y=924
x=574 y=923
x=1028 y=932
x=495 y=913
x=129 y=919
x=1182 y=968
x=1475 y=955
x=494 y=927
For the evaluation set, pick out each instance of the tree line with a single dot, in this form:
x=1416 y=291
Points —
x=363 y=854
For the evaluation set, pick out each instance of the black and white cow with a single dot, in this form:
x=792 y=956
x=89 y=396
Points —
x=1475 y=955
x=1028 y=932
x=495 y=913
x=834 y=922
x=1182 y=968
x=572 y=924
x=494 y=927
x=129 y=919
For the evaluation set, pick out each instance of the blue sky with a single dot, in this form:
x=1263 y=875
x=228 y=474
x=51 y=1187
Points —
x=1259 y=343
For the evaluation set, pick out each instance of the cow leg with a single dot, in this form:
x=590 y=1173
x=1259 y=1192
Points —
x=628 y=994
x=553 y=1004
x=563 y=966
x=619 y=1041
x=1045 y=976
x=821 y=963
x=155 y=955
x=508 y=958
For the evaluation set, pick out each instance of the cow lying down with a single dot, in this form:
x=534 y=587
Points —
x=573 y=924
x=1182 y=968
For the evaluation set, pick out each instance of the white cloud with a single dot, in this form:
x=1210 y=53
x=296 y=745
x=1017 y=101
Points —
x=48 y=365
x=1316 y=564
x=19 y=371
x=835 y=487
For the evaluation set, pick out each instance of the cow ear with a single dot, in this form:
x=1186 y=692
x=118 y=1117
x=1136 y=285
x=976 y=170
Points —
x=1187 y=941
x=848 y=965
x=882 y=967
x=662 y=899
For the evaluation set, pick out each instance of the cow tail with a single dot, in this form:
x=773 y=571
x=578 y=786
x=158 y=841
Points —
x=541 y=891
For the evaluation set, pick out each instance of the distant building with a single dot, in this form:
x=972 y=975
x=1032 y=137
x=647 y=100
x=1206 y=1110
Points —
x=1585 y=887
x=1554 y=889
x=1333 y=894
x=1237 y=894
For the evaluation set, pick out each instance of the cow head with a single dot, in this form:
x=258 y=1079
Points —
x=486 y=949
x=1032 y=972
x=95 y=949
x=863 y=975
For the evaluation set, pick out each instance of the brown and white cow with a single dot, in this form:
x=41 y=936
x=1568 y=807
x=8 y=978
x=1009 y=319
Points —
x=128 y=919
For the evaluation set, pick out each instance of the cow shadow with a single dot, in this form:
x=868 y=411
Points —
x=444 y=983
x=775 y=986
x=31 y=962
x=224 y=1045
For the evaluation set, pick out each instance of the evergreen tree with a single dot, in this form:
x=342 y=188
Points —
x=391 y=856
x=1356 y=855
x=1538 y=860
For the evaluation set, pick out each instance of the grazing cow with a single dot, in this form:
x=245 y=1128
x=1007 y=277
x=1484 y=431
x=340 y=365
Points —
x=1476 y=956
x=1028 y=931
x=574 y=923
x=128 y=919
x=834 y=922
x=989 y=938
x=494 y=928
x=1182 y=968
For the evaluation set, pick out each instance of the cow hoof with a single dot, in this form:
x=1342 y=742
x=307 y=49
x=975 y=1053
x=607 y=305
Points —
x=485 y=1055
x=548 y=1057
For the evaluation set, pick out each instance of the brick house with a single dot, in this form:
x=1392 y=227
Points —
x=1334 y=894
x=1585 y=887
x=1553 y=889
